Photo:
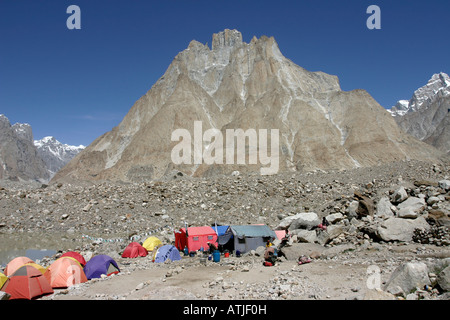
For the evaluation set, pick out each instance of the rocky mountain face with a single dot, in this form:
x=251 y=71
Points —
x=236 y=85
x=426 y=115
x=56 y=154
x=19 y=159
x=25 y=159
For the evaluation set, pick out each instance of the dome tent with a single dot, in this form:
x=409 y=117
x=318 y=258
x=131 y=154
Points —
x=27 y=282
x=76 y=256
x=134 y=250
x=15 y=264
x=101 y=264
x=3 y=279
x=166 y=252
x=65 y=272
x=151 y=243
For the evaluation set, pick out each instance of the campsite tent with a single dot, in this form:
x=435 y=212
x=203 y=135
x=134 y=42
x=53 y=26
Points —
x=76 y=256
x=15 y=264
x=195 y=238
x=165 y=252
x=65 y=272
x=134 y=250
x=27 y=282
x=101 y=264
x=151 y=243
x=37 y=266
x=250 y=237
x=3 y=279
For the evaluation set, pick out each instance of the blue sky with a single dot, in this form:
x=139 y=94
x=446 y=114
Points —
x=78 y=84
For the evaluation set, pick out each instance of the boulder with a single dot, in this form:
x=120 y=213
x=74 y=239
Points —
x=4 y=295
x=384 y=208
x=352 y=209
x=366 y=206
x=408 y=277
x=411 y=208
x=305 y=235
x=439 y=218
x=432 y=200
x=304 y=220
x=444 y=184
x=336 y=250
x=399 y=229
x=399 y=195
x=377 y=294
x=443 y=279
x=334 y=217
x=333 y=231
x=293 y=252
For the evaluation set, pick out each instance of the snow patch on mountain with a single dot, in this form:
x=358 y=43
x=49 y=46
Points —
x=437 y=86
x=56 y=154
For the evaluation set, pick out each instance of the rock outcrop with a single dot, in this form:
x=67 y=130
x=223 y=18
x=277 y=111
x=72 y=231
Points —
x=19 y=160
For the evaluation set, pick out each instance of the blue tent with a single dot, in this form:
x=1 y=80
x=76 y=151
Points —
x=101 y=264
x=167 y=252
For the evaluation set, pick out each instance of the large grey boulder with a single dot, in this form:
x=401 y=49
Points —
x=399 y=229
x=384 y=208
x=443 y=279
x=411 y=208
x=408 y=277
x=303 y=220
x=305 y=235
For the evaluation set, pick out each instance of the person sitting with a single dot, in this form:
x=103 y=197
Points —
x=270 y=256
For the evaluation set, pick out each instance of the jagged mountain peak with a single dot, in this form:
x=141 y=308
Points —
x=437 y=85
x=426 y=115
x=239 y=85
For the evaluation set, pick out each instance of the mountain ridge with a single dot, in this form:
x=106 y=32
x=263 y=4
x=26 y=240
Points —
x=24 y=159
x=234 y=85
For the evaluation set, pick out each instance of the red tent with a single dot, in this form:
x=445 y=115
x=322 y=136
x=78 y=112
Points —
x=27 y=283
x=134 y=250
x=76 y=256
x=195 y=238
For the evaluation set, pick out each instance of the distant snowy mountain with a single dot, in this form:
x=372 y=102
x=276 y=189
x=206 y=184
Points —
x=56 y=154
x=426 y=115
x=23 y=159
x=437 y=87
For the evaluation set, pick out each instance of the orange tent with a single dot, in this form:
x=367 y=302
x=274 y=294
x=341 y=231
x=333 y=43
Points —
x=37 y=266
x=15 y=264
x=134 y=250
x=65 y=272
x=27 y=283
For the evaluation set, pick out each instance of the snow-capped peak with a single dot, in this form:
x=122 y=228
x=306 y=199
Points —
x=51 y=141
x=438 y=85
x=56 y=154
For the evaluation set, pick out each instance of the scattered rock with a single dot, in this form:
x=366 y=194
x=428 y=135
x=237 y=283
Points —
x=409 y=277
x=398 y=229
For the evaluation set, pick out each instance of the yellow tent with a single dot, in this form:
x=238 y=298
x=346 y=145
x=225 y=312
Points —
x=3 y=279
x=151 y=243
x=37 y=266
